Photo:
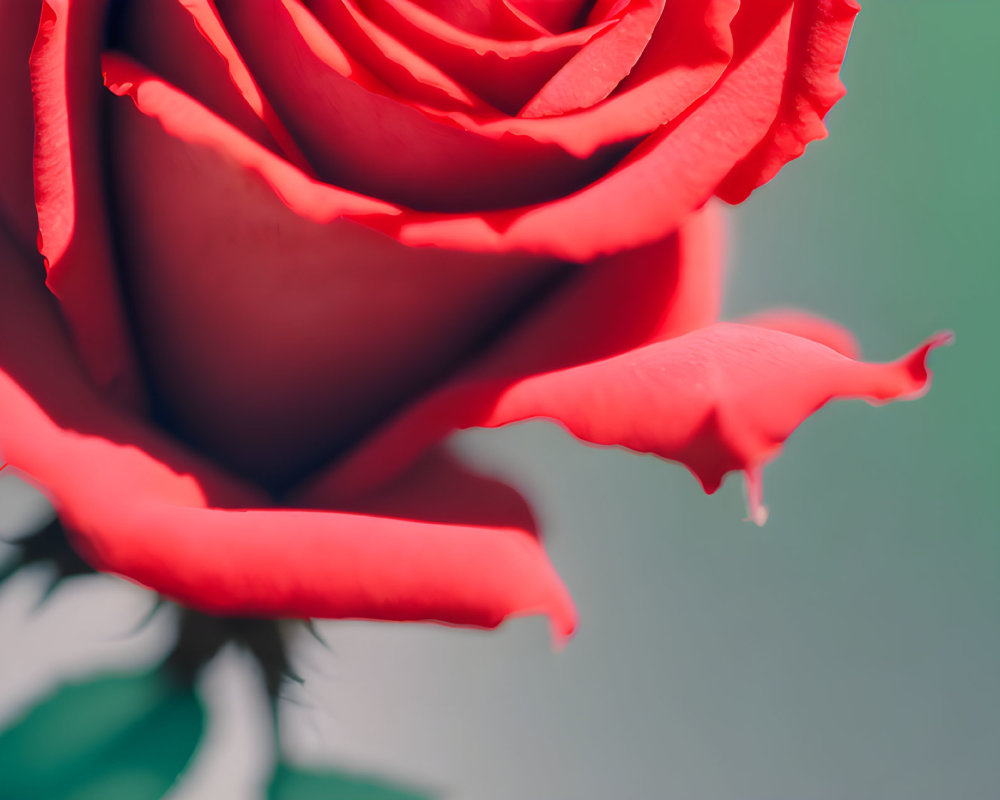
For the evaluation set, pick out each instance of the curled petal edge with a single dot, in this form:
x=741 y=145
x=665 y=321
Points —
x=720 y=399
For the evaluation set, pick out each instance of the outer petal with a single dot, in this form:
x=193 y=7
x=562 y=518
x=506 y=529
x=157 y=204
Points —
x=73 y=230
x=141 y=506
x=718 y=399
x=820 y=32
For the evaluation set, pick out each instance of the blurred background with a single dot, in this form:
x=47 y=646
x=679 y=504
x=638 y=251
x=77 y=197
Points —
x=849 y=649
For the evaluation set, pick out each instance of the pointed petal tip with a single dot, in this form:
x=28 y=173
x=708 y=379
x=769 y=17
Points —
x=563 y=625
x=943 y=338
x=561 y=613
x=914 y=369
x=558 y=609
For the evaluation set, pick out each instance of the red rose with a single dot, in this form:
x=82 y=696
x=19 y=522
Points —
x=298 y=243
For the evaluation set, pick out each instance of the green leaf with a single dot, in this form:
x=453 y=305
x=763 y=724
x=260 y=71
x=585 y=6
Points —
x=125 y=737
x=295 y=783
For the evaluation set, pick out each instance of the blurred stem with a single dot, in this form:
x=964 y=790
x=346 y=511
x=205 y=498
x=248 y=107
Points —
x=200 y=637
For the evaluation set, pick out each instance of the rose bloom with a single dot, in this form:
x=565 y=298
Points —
x=288 y=246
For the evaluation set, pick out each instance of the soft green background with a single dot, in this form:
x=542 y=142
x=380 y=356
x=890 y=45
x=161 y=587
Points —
x=851 y=648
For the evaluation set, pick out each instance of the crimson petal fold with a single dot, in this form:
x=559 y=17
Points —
x=140 y=505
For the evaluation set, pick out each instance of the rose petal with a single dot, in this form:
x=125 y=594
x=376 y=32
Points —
x=17 y=203
x=597 y=69
x=639 y=202
x=142 y=507
x=362 y=138
x=297 y=337
x=691 y=46
x=183 y=117
x=565 y=232
x=820 y=31
x=718 y=399
x=69 y=192
x=610 y=306
x=650 y=192
x=504 y=73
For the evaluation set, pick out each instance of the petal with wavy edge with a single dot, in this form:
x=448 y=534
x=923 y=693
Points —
x=820 y=31
x=718 y=399
x=655 y=186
